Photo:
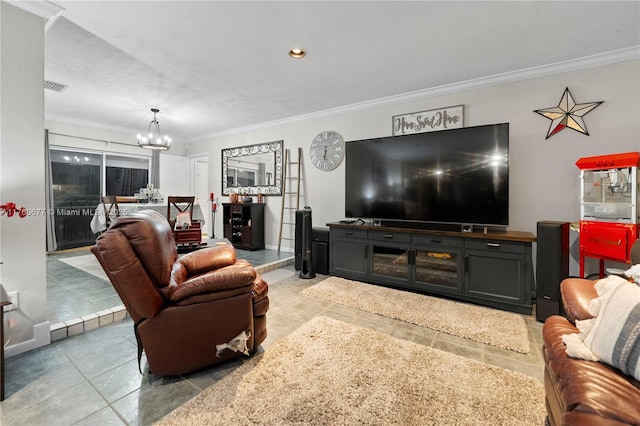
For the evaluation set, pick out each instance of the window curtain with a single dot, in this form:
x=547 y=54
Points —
x=155 y=169
x=52 y=244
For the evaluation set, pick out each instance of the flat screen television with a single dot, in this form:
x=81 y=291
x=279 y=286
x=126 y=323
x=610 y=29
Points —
x=456 y=176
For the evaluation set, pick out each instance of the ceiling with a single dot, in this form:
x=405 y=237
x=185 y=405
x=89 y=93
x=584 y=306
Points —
x=213 y=66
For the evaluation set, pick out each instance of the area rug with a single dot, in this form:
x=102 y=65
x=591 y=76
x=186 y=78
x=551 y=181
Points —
x=86 y=263
x=485 y=325
x=331 y=372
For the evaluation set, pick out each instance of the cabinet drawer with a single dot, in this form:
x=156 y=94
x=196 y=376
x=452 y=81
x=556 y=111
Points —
x=347 y=232
x=390 y=236
x=495 y=245
x=437 y=240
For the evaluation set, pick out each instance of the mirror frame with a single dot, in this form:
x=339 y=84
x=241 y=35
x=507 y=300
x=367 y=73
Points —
x=257 y=149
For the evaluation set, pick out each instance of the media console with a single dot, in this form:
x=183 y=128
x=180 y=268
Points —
x=493 y=269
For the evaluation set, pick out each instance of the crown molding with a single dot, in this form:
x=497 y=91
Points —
x=44 y=9
x=593 y=61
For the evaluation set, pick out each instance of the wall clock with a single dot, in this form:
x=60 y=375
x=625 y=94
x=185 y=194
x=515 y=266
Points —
x=327 y=150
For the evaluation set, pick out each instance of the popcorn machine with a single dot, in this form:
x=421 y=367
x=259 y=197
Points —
x=608 y=207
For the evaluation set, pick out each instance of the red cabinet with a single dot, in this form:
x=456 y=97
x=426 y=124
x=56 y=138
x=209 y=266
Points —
x=606 y=241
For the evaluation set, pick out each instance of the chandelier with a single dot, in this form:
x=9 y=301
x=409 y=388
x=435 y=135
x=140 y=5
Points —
x=153 y=139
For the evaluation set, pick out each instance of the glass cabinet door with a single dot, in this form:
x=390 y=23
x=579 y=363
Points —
x=439 y=268
x=390 y=263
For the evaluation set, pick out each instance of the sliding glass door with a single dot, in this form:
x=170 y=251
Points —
x=79 y=179
x=76 y=192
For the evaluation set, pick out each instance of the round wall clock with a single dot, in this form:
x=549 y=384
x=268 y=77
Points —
x=327 y=150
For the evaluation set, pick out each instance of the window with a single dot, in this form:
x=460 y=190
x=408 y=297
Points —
x=126 y=175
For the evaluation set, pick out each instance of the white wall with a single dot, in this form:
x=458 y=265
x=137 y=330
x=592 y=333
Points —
x=22 y=243
x=175 y=175
x=543 y=176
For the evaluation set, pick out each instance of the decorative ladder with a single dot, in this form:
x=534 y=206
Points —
x=290 y=189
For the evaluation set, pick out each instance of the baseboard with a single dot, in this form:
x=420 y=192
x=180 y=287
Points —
x=41 y=337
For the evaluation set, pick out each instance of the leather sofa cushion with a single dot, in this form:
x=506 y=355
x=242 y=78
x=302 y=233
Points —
x=587 y=387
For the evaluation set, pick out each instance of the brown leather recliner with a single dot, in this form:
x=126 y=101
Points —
x=189 y=312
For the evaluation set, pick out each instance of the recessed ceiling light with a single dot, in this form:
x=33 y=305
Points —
x=297 y=53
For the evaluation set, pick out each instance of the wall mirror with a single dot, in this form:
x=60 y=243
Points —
x=253 y=169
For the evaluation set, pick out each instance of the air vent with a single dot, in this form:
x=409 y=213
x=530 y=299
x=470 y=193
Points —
x=56 y=87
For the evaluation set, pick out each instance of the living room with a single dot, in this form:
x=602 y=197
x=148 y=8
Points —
x=543 y=181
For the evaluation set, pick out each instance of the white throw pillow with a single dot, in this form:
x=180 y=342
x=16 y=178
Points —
x=613 y=336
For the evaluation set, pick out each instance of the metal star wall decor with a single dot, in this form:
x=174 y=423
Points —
x=567 y=114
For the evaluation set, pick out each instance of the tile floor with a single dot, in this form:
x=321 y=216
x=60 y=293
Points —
x=93 y=378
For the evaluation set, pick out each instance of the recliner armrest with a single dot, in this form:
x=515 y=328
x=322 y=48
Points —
x=207 y=259
x=241 y=274
x=577 y=294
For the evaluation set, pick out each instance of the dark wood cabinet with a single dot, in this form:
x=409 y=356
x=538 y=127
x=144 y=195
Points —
x=494 y=269
x=244 y=225
x=489 y=269
x=348 y=253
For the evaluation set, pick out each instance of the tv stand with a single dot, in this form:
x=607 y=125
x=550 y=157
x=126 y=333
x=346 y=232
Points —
x=493 y=269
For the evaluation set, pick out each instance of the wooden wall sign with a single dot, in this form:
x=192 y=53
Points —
x=428 y=121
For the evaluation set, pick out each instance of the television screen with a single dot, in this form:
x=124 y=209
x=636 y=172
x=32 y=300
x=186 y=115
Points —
x=449 y=176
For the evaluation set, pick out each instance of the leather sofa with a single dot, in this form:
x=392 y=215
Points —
x=189 y=312
x=580 y=392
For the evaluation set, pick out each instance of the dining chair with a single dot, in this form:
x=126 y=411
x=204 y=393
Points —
x=111 y=210
x=187 y=233
x=177 y=205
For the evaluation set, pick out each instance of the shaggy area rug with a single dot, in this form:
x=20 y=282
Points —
x=86 y=263
x=485 y=325
x=331 y=372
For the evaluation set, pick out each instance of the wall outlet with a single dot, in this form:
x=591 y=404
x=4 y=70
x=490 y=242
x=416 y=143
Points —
x=15 y=302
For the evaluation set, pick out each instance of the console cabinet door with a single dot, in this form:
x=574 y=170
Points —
x=495 y=271
x=348 y=253
x=390 y=257
x=437 y=263
x=438 y=268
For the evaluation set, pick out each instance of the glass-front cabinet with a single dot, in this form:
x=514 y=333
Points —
x=390 y=257
x=438 y=263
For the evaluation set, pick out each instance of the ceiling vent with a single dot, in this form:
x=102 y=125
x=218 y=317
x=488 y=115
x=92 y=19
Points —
x=56 y=87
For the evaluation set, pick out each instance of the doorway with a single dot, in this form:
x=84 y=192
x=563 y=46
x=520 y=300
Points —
x=200 y=168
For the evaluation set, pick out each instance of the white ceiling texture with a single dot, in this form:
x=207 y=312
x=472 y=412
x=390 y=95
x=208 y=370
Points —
x=217 y=66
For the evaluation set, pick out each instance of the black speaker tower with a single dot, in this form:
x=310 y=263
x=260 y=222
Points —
x=552 y=266
x=306 y=270
x=298 y=240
